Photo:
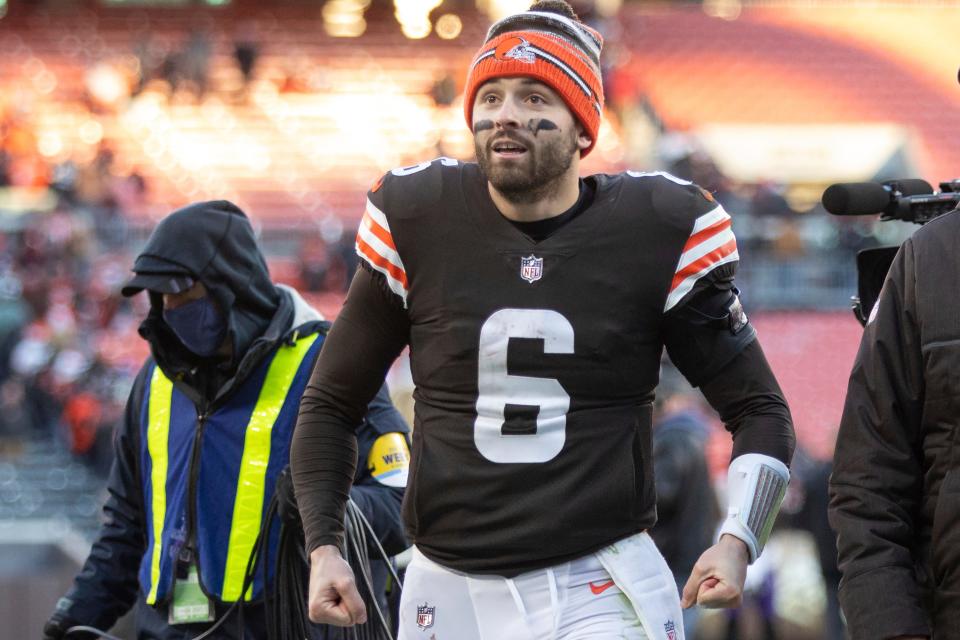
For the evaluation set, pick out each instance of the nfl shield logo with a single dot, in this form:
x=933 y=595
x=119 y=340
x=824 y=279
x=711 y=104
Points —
x=425 y=616
x=671 y=630
x=531 y=268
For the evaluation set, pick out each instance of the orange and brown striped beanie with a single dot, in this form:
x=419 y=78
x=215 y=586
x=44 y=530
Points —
x=557 y=50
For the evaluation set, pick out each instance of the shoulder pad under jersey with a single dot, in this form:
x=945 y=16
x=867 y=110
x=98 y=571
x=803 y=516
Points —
x=409 y=192
x=707 y=242
x=676 y=201
x=401 y=194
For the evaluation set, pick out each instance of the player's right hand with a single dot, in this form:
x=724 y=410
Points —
x=334 y=598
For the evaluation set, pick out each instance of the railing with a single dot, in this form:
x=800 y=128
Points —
x=817 y=281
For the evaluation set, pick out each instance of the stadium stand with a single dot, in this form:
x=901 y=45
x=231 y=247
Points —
x=779 y=65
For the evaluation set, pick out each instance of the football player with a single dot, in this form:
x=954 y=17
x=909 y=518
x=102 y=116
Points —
x=536 y=305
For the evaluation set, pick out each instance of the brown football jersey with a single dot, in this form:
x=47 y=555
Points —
x=535 y=363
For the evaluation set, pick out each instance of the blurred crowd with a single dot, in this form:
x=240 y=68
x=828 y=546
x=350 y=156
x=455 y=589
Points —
x=65 y=353
x=69 y=347
x=770 y=222
x=67 y=341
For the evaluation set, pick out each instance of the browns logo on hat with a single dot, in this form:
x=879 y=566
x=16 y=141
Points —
x=552 y=47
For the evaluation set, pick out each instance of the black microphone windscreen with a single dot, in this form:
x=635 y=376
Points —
x=855 y=198
x=914 y=187
x=868 y=198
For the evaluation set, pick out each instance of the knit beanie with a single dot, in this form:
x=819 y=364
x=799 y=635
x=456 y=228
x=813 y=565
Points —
x=555 y=49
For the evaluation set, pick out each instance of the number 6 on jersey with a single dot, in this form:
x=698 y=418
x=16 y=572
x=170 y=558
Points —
x=497 y=388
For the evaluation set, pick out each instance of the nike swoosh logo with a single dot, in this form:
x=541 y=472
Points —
x=597 y=589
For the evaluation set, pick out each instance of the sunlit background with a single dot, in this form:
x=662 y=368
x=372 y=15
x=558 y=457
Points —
x=114 y=113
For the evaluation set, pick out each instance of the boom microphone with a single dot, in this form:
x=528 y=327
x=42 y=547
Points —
x=910 y=200
x=867 y=198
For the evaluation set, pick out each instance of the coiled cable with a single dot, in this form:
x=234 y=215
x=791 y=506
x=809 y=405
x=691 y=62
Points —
x=285 y=605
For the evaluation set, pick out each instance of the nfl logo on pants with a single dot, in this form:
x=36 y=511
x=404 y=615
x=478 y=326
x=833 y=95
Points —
x=425 y=616
x=671 y=630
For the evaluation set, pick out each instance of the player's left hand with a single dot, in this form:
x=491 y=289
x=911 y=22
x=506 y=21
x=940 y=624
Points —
x=717 y=578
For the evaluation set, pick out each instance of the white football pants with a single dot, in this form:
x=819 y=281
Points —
x=622 y=592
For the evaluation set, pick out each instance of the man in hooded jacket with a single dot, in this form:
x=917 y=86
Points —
x=206 y=435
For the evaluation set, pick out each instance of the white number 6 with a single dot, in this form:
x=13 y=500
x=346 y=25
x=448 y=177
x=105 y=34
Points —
x=498 y=388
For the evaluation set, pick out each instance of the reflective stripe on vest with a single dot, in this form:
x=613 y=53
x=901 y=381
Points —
x=248 y=505
x=250 y=489
x=161 y=393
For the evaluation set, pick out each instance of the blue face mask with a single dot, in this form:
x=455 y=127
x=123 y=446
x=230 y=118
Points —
x=199 y=326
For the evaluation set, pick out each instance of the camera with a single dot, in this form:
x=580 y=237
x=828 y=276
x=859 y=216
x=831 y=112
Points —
x=910 y=200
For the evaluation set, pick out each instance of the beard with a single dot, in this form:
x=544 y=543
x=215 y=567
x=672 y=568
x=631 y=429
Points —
x=536 y=174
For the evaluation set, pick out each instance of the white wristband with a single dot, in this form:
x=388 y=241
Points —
x=756 y=485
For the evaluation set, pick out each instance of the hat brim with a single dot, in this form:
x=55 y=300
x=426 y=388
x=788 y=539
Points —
x=158 y=282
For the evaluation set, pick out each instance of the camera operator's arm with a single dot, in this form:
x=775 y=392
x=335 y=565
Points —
x=877 y=479
x=382 y=473
x=106 y=587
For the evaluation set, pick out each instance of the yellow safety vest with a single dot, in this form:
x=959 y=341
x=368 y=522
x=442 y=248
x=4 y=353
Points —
x=210 y=478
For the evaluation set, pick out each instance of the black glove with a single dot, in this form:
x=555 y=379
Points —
x=56 y=627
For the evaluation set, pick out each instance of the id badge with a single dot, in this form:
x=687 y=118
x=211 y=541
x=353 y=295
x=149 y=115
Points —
x=190 y=604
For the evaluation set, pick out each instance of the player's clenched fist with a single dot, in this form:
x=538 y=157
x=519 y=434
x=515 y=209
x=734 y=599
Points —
x=334 y=598
x=717 y=578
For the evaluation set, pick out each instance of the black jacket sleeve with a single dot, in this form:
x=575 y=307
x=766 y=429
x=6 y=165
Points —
x=379 y=503
x=107 y=586
x=876 y=486
x=687 y=509
x=366 y=338
x=673 y=455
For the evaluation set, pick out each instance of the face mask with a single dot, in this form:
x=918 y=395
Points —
x=199 y=326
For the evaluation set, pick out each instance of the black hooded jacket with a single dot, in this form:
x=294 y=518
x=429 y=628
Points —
x=687 y=509
x=214 y=243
